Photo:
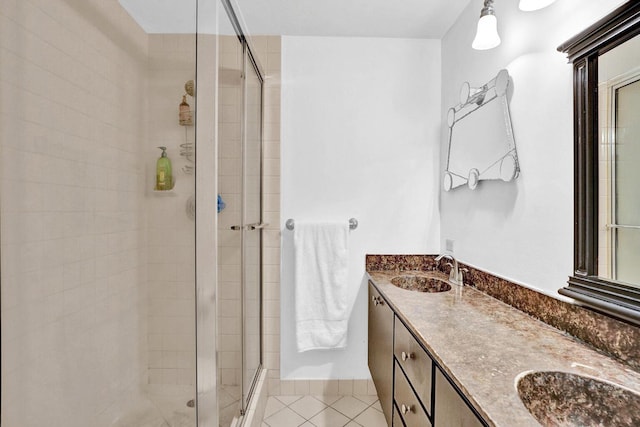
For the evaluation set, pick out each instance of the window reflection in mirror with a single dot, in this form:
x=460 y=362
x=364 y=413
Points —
x=619 y=158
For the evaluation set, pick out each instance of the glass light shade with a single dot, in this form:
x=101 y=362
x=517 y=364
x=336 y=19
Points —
x=487 y=34
x=531 y=5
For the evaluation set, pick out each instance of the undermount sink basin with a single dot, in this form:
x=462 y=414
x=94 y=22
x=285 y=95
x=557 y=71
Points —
x=416 y=282
x=566 y=399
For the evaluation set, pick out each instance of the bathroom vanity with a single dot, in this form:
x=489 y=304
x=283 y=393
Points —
x=455 y=357
x=406 y=376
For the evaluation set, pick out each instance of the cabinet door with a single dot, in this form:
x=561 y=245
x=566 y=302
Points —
x=381 y=349
x=450 y=409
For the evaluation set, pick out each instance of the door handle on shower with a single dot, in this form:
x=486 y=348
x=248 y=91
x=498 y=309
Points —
x=250 y=227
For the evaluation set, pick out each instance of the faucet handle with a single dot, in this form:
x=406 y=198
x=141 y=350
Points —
x=454 y=273
x=460 y=276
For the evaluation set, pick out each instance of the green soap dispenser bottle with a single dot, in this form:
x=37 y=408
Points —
x=164 y=176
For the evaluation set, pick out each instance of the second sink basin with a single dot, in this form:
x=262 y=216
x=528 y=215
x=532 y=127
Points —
x=565 y=399
x=417 y=282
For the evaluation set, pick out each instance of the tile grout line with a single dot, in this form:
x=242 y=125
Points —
x=326 y=406
x=359 y=413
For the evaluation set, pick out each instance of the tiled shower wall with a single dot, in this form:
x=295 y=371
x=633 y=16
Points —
x=229 y=187
x=73 y=235
x=268 y=50
x=171 y=232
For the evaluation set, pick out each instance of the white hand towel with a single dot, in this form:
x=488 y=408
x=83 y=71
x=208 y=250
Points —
x=321 y=274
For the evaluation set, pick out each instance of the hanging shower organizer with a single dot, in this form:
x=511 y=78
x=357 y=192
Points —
x=186 y=120
x=187 y=149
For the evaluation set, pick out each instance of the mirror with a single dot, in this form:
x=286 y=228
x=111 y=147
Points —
x=606 y=83
x=619 y=157
x=481 y=143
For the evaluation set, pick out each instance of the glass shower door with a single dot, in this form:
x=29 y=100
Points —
x=239 y=227
x=252 y=232
x=230 y=224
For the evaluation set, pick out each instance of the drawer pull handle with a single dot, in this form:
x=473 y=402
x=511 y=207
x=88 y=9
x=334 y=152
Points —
x=406 y=409
x=376 y=300
x=407 y=356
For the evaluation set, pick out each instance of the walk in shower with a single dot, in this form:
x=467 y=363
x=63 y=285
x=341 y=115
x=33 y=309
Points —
x=114 y=309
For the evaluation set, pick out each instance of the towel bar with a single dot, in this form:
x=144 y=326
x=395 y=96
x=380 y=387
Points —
x=290 y=224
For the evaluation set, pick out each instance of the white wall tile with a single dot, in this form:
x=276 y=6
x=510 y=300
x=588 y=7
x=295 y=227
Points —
x=81 y=296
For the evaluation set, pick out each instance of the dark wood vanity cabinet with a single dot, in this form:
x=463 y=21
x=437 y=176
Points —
x=450 y=409
x=412 y=389
x=381 y=349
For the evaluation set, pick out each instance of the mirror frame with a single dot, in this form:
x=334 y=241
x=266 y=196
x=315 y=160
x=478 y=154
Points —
x=609 y=297
x=471 y=100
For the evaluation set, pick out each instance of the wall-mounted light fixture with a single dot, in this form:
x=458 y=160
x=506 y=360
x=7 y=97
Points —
x=487 y=33
x=531 y=5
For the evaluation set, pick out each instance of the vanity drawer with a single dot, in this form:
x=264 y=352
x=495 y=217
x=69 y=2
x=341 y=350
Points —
x=414 y=361
x=407 y=403
x=397 y=420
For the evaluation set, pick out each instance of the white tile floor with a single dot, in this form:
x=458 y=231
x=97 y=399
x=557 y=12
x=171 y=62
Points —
x=323 y=411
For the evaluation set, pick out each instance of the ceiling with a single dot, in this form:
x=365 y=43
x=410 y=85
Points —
x=358 y=18
x=341 y=18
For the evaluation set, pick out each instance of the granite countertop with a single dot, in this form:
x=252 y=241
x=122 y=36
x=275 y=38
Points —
x=484 y=344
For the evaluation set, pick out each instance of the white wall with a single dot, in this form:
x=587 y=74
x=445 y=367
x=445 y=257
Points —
x=360 y=133
x=521 y=230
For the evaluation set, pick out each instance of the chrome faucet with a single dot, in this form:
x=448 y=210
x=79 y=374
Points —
x=455 y=275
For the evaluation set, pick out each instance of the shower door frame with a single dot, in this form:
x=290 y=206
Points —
x=249 y=60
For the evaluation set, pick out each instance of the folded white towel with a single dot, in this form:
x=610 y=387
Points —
x=321 y=274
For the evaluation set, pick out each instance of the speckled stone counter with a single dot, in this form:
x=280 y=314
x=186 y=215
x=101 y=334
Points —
x=485 y=344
